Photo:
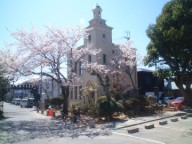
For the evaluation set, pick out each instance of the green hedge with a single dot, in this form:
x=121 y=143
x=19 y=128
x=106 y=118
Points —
x=107 y=108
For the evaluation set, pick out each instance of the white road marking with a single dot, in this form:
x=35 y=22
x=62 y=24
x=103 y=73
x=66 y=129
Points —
x=144 y=139
x=166 y=127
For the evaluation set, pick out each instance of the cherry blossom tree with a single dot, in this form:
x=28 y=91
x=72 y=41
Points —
x=125 y=63
x=46 y=54
x=47 y=88
x=120 y=69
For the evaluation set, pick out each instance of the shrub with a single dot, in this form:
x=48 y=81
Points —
x=151 y=100
x=119 y=107
x=120 y=101
x=101 y=99
x=138 y=100
x=135 y=101
x=137 y=104
x=104 y=98
x=128 y=105
x=56 y=101
x=107 y=108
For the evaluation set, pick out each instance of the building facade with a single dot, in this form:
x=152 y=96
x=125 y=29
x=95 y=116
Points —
x=99 y=37
x=148 y=83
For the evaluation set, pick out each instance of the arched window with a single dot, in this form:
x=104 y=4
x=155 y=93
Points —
x=75 y=92
x=89 y=58
x=104 y=59
x=89 y=38
x=80 y=69
x=104 y=38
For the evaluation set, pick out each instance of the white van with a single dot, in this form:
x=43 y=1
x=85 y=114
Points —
x=27 y=102
x=16 y=101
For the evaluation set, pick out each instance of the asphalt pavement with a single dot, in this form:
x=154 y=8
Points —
x=26 y=126
x=147 y=119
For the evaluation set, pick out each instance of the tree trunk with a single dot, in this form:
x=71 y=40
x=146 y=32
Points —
x=186 y=93
x=106 y=87
x=188 y=98
x=65 y=93
x=105 y=84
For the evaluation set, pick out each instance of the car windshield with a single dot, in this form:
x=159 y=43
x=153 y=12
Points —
x=168 y=98
x=180 y=98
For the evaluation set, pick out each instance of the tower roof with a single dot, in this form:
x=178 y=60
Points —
x=96 y=7
x=97 y=11
x=97 y=20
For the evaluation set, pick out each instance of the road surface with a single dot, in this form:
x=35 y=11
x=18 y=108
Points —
x=26 y=126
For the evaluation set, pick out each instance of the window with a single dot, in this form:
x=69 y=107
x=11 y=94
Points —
x=80 y=69
x=127 y=69
x=71 y=93
x=104 y=59
x=75 y=92
x=75 y=67
x=89 y=38
x=80 y=93
x=104 y=38
x=113 y=52
x=89 y=58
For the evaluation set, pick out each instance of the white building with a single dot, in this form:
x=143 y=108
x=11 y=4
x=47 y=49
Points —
x=47 y=88
x=100 y=37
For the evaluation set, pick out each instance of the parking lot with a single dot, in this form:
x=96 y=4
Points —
x=171 y=133
x=24 y=125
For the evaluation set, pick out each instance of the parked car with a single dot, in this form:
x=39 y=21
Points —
x=16 y=101
x=178 y=100
x=27 y=102
x=13 y=101
x=168 y=100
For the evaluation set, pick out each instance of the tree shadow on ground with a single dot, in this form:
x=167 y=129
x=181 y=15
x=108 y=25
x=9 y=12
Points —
x=18 y=131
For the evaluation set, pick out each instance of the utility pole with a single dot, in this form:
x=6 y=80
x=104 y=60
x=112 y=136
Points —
x=41 y=84
x=71 y=63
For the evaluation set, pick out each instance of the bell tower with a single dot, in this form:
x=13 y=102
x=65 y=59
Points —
x=99 y=37
x=97 y=12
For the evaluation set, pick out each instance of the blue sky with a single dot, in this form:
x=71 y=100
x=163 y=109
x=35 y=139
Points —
x=123 y=15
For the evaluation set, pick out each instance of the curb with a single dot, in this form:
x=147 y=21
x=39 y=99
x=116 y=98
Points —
x=163 y=123
x=189 y=114
x=178 y=114
x=133 y=130
x=149 y=126
x=184 y=117
x=174 y=120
